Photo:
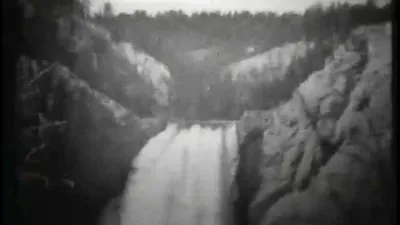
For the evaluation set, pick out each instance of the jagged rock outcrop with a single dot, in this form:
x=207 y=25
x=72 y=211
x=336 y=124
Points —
x=325 y=152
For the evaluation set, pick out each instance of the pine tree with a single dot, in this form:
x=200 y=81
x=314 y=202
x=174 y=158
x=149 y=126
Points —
x=108 y=11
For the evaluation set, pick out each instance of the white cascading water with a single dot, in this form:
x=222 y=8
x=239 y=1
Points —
x=183 y=177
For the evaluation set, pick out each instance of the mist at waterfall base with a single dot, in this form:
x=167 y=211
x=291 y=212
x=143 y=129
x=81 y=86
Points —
x=183 y=176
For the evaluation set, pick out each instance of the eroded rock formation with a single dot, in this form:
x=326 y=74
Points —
x=326 y=156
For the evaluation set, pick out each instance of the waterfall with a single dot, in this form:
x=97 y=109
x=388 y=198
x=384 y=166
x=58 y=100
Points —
x=183 y=176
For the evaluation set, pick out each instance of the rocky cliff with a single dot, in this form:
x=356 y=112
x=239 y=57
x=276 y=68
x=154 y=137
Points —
x=268 y=66
x=60 y=33
x=151 y=70
x=326 y=152
x=76 y=143
x=76 y=117
x=265 y=80
x=130 y=75
x=77 y=90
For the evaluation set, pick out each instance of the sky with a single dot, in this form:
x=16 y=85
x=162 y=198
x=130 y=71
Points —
x=190 y=6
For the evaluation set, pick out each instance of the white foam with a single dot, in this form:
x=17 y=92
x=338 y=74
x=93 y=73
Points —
x=179 y=178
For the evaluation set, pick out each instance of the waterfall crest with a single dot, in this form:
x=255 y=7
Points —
x=183 y=177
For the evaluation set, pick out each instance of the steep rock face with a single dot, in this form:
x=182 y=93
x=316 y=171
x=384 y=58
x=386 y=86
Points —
x=325 y=152
x=248 y=175
x=57 y=33
x=78 y=129
x=150 y=70
x=218 y=56
x=75 y=129
x=267 y=66
x=133 y=77
x=265 y=80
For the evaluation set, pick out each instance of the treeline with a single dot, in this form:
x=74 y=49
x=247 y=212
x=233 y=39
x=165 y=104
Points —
x=264 y=29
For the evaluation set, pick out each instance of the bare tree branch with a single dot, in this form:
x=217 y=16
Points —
x=40 y=74
x=33 y=151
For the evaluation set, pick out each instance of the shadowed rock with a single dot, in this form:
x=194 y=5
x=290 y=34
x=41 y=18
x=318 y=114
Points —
x=330 y=124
